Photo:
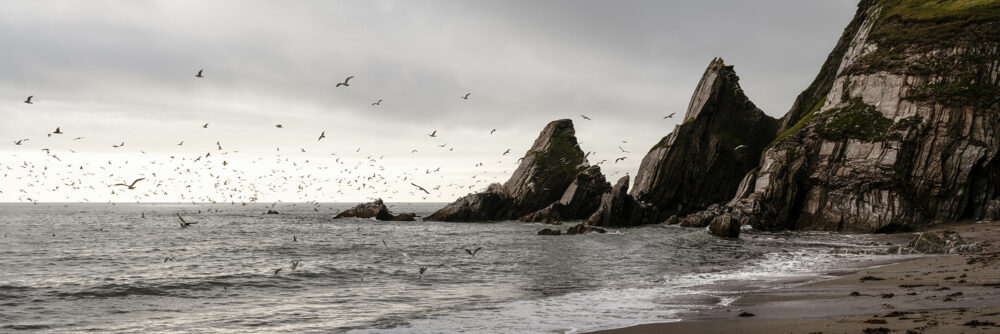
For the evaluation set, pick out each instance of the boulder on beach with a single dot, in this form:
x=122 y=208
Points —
x=375 y=209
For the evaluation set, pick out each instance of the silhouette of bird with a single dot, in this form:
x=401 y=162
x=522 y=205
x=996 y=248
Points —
x=119 y=145
x=57 y=132
x=167 y=259
x=276 y=271
x=205 y=126
x=130 y=186
x=279 y=126
x=295 y=264
x=377 y=103
x=492 y=131
x=466 y=97
x=345 y=84
x=77 y=138
x=669 y=116
x=623 y=150
x=184 y=224
x=18 y=142
x=473 y=252
x=199 y=74
x=181 y=143
x=421 y=188
x=28 y=100
x=434 y=133
x=506 y=152
x=620 y=159
x=585 y=117
x=422 y=271
x=321 y=136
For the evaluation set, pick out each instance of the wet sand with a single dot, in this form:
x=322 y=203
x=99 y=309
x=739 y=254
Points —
x=932 y=294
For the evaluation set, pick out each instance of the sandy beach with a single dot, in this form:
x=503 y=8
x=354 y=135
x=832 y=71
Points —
x=932 y=294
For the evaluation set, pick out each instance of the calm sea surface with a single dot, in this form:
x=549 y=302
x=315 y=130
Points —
x=104 y=268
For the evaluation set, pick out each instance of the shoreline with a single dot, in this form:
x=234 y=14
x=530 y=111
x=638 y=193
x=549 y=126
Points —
x=928 y=294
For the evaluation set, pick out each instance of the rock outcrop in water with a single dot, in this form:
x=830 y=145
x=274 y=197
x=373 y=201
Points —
x=900 y=129
x=579 y=201
x=552 y=164
x=704 y=159
x=375 y=209
x=619 y=209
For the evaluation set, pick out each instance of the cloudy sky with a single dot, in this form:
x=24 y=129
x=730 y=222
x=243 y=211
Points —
x=123 y=71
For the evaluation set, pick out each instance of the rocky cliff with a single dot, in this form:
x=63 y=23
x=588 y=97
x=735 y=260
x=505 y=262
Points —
x=579 y=201
x=542 y=178
x=899 y=130
x=704 y=159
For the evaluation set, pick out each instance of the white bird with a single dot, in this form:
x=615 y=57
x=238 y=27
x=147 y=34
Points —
x=741 y=146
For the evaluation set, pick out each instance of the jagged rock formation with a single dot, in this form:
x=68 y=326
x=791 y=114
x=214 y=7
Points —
x=619 y=209
x=545 y=173
x=725 y=226
x=583 y=228
x=901 y=129
x=580 y=200
x=375 y=209
x=704 y=159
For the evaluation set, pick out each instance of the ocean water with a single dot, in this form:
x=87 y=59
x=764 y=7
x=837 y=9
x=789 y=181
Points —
x=104 y=268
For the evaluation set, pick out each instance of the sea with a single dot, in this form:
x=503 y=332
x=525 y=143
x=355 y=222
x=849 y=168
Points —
x=116 y=267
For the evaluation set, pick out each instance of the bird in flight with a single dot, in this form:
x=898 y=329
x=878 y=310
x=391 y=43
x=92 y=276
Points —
x=620 y=159
x=181 y=143
x=741 y=146
x=377 y=103
x=421 y=188
x=506 y=152
x=473 y=252
x=199 y=74
x=422 y=271
x=19 y=141
x=623 y=150
x=130 y=186
x=279 y=126
x=119 y=145
x=669 y=116
x=321 y=136
x=492 y=131
x=57 y=132
x=585 y=117
x=204 y=126
x=466 y=97
x=77 y=138
x=295 y=264
x=433 y=133
x=184 y=223
x=219 y=145
x=28 y=100
x=276 y=271
x=345 y=84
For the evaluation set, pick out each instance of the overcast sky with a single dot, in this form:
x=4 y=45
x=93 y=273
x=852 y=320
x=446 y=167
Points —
x=123 y=71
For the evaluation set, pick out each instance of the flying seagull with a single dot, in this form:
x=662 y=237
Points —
x=492 y=131
x=345 y=84
x=434 y=133
x=130 y=186
x=119 y=145
x=741 y=146
x=422 y=271
x=276 y=271
x=19 y=141
x=295 y=264
x=623 y=150
x=77 y=138
x=473 y=252
x=184 y=223
x=669 y=116
x=28 y=100
x=620 y=159
x=199 y=74
x=57 y=132
x=181 y=143
x=205 y=126
x=321 y=136
x=585 y=117
x=506 y=152
x=466 y=97
x=279 y=126
x=377 y=103
x=421 y=188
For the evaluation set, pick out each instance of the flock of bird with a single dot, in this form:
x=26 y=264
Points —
x=215 y=177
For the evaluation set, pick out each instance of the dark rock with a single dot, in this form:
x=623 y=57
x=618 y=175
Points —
x=725 y=226
x=619 y=209
x=542 y=177
x=938 y=242
x=549 y=231
x=698 y=164
x=673 y=220
x=580 y=200
x=582 y=228
x=375 y=209
x=747 y=314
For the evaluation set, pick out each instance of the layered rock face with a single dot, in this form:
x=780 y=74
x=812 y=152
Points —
x=704 y=159
x=546 y=171
x=580 y=200
x=375 y=209
x=904 y=133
